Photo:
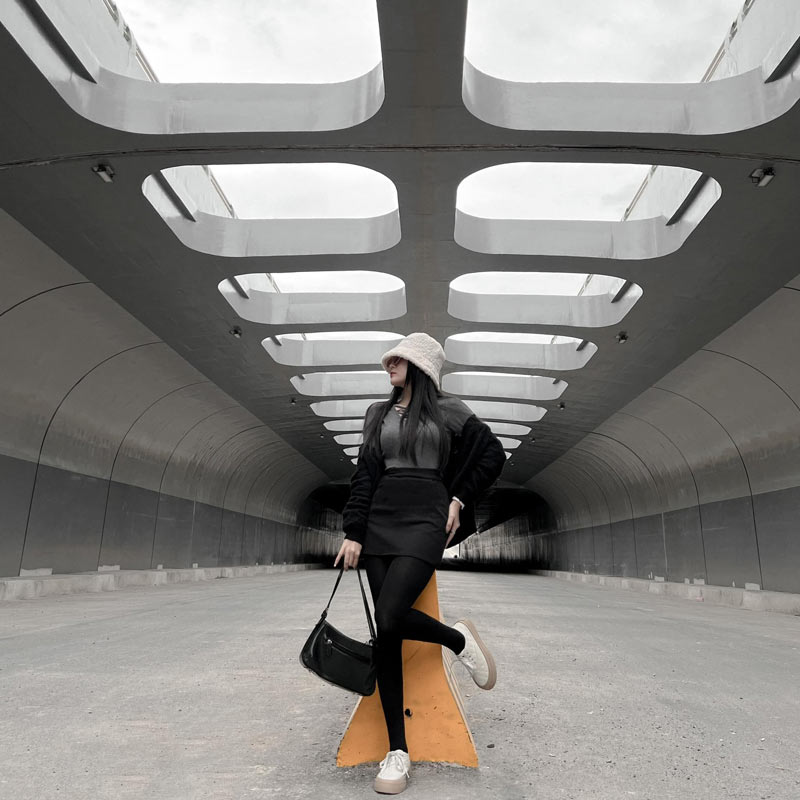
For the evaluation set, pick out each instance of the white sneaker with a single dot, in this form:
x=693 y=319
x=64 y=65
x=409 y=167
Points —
x=476 y=656
x=393 y=777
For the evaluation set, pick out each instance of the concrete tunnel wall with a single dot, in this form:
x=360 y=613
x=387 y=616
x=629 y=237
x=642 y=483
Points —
x=697 y=480
x=114 y=451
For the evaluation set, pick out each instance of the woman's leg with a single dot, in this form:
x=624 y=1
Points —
x=403 y=582
x=389 y=659
x=396 y=583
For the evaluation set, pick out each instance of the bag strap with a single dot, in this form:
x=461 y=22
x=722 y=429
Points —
x=363 y=597
x=366 y=606
x=335 y=587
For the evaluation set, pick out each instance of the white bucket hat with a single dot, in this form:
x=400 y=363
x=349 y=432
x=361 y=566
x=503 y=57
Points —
x=422 y=351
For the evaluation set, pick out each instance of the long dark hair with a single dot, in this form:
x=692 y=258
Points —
x=423 y=409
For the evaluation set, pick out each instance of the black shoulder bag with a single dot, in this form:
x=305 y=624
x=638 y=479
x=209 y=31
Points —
x=337 y=658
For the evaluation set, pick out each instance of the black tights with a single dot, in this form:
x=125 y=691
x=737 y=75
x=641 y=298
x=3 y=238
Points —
x=396 y=582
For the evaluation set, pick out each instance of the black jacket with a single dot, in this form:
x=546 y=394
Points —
x=475 y=463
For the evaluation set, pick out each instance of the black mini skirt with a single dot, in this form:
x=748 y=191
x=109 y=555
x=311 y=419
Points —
x=408 y=515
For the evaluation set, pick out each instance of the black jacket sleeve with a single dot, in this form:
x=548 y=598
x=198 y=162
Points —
x=480 y=462
x=354 y=515
x=362 y=487
x=479 y=459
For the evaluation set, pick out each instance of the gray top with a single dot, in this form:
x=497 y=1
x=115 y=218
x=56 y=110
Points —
x=455 y=413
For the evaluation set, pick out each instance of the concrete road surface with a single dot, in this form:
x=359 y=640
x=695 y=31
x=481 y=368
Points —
x=195 y=691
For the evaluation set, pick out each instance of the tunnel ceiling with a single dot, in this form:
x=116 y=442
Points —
x=694 y=267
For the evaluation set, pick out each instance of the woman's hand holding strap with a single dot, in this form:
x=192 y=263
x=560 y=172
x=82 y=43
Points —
x=453 y=519
x=349 y=554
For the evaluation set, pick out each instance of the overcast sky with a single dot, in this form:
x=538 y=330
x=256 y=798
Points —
x=558 y=283
x=319 y=40
x=306 y=190
x=335 y=281
x=255 y=41
x=327 y=40
x=508 y=191
x=587 y=40
x=551 y=191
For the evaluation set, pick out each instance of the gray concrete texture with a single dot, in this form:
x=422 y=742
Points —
x=195 y=690
x=135 y=430
x=113 y=449
x=30 y=587
x=423 y=138
x=695 y=478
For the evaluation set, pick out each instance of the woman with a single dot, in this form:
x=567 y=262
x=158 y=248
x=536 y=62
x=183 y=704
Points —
x=424 y=460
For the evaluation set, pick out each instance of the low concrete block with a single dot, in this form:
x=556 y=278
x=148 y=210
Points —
x=27 y=588
x=750 y=599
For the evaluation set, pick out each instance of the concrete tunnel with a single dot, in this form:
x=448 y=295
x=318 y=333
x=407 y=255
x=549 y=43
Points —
x=144 y=425
x=593 y=207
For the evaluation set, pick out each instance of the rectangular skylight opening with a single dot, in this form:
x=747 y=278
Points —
x=521 y=350
x=542 y=298
x=315 y=297
x=613 y=41
x=327 y=384
x=271 y=41
x=247 y=210
x=330 y=348
x=497 y=384
x=622 y=211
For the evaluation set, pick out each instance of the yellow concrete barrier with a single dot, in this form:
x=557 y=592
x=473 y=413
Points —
x=436 y=725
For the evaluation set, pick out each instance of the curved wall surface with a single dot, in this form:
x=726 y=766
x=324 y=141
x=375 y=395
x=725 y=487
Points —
x=113 y=450
x=696 y=480
x=116 y=451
